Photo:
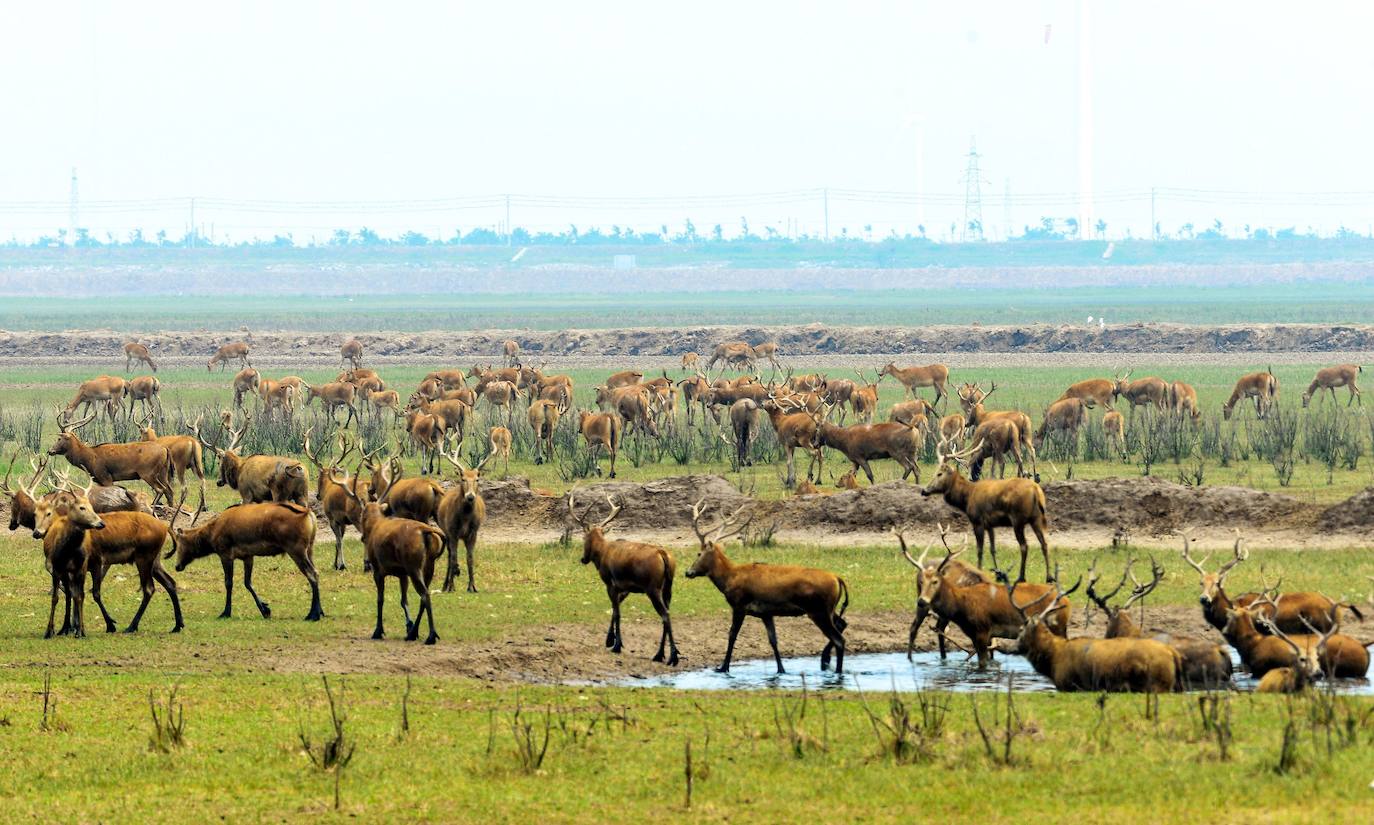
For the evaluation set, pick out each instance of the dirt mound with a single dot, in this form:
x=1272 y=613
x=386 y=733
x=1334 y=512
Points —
x=1354 y=514
x=794 y=341
x=665 y=504
x=1156 y=507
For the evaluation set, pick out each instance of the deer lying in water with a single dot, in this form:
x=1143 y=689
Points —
x=769 y=591
x=1340 y=656
x=628 y=567
x=1206 y=664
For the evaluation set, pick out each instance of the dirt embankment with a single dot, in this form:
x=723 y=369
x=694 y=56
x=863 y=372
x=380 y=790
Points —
x=794 y=341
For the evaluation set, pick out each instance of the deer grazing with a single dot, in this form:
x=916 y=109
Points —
x=1151 y=391
x=1013 y=502
x=794 y=430
x=544 y=417
x=245 y=383
x=333 y=396
x=244 y=532
x=770 y=590
x=733 y=354
x=105 y=391
x=237 y=351
x=1114 y=426
x=461 y=513
x=912 y=378
x=1098 y=392
x=385 y=400
x=1329 y=378
x=1206 y=664
x=145 y=461
x=862 y=443
x=971 y=398
x=1121 y=664
x=255 y=477
x=600 y=430
x=276 y=396
x=952 y=428
x=916 y=413
x=135 y=352
x=628 y=567
x=1263 y=387
x=498 y=439
x=966 y=596
x=994 y=440
x=1183 y=401
x=1065 y=416
x=351 y=353
x=146 y=389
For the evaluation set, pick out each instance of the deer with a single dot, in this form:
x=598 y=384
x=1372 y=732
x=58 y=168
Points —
x=136 y=352
x=1262 y=387
x=770 y=590
x=510 y=353
x=276 y=396
x=366 y=385
x=245 y=532
x=351 y=353
x=971 y=398
x=864 y=399
x=108 y=463
x=628 y=567
x=103 y=391
x=501 y=394
x=544 y=416
x=1151 y=391
x=414 y=498
x=690 y=362
x=461 y=513
x=499 y=442
x=1205 y=664
x=24 y=498
x=386 y=400
x=916 y=413
x=1097 y=392
x=183 y=451
x=744 y=418
x=245 y=383
x=1338 y=655
x=68 y=559
x=968 y=597
x=952 y=428
x=1114 y=426
x=840 y=392
x=402 y=548
x=449 y=379
x=451 y=414
x=624 y=378
x=600 y=430
x=862 y=443
x=1013 y=502
x=1066 y=416
x=634 y=405
x=104 y=539
x=362 y=375
x=1299 y=608
x=1135 y=665
x=767 y=351
x=912 y=378
x=333 y=396
x=1183 y=401
x=254 y=477
x=811 y=382
x=1329 y=378
x=795 y=429
x=994 y=439
x=737 y=354
x=147 y=389
x=427 y=433
x=340 y=509
x=236 y=351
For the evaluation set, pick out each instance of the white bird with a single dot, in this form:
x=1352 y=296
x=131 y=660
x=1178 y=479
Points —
x=1090 y=320
x=1101 y=323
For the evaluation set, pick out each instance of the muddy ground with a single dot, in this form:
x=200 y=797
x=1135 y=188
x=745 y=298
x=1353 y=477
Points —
x=805 y=341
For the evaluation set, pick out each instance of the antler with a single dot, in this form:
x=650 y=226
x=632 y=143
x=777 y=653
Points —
x=65 y=424
x=1139 y=590
x=195 y=430
x=723 y=531
x=1240 y=555
x=1197 y=565
x=9 y=468
x=919 y=564
x=1092 y=584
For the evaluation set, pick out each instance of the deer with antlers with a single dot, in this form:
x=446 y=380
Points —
x=1337 y=655
x=184 y=452
x=135 y=352
x=236 y=351
x=340 y=509
x=864 y=399
x=1017 y=503
x=1135 y=665
x=968 y=597
x=770 y=590
x=103 y=392
x=1329 y=378
x=971 y=398
x=254 y=477
x=1150 y=391
x=148 y=462
x=1262 y=387
x=1206 y=664
x=628 y=567
x=77 y=539
x=913 y=378
x=795 y=429
x=461 y=513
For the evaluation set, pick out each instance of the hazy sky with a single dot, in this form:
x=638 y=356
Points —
x=342 y=101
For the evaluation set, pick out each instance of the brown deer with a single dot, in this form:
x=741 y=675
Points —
x=634 y=405
x=147 y=389
x=106 y=539
x=351 y=353
x=862 y=443
x=737 y=354
x=864 y=399
x=1151 y=391
x=1115 y=428
x=244 y=532
x=544 y=417
x=744 y=419
x=810 y=382
x=966 y=596
x=427 y=433
x=628 y=567
x=1135 y=665
x=1263 y=387
x=237 y=351
x=916 y=413
x=386 y=400
x=362 y=375
x=104 y=391
x=1339 y=655
x=406 y=549
x=1013 y=502
x=848 y=481
x=108 y=463
x=839 y=392
x=448 y=379
x=1206 y=664
x=245 y=383
x=600 y=430
x=994 y=439
x=333 y=396
x=912 y=378
x=333 y=488
x=1098 y=392
x=499 y=442
x=767 y=351
x=1329 y=378
x=1065 y=416
x=136 y=352
x=795 y=429
x=690 y=362
x=952 y=428
x=624 y=378
x=971 y=398
x=770 y=590
x=1183 y=401
x=510 y=353
x=24 y=498
x=68 y=559
x=255 y=477
x=461 y=513
x=276 y=396
x=184 y=452
x=501 y=394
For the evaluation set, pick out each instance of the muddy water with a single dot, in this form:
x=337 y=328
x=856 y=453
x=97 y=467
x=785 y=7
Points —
x=881 y=672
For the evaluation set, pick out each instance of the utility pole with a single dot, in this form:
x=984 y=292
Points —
x=72 y=211
x=508 y=241
x=972 y=229
x=825 y=208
